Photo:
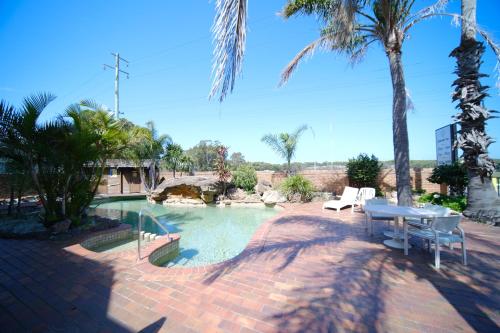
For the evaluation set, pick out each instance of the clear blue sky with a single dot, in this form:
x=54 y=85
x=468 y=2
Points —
x=60 y=46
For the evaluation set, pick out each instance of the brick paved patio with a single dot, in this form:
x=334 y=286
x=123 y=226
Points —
x=306 y=270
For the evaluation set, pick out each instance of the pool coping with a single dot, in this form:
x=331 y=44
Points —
x=153 y=272
x=255 y=245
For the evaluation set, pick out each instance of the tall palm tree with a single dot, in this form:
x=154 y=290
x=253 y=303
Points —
x=470 y=94
x=285 y=144
x=349 y=27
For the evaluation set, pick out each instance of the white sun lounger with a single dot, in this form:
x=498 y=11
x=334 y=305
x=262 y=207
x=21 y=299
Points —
x=348 y=198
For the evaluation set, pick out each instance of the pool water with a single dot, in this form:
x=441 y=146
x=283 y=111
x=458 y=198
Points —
x=208 y=234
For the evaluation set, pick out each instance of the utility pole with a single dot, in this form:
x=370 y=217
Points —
x=117 y=80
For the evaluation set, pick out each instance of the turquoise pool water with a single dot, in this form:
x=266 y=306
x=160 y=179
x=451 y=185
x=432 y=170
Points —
x=208 y=234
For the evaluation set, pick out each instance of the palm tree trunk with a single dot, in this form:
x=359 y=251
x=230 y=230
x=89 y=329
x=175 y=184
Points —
x=481 y=195
x=400 y=130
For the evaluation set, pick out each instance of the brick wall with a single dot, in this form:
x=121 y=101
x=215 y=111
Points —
x=335 y=180
x=324 y=180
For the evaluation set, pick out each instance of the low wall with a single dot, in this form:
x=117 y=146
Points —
x=336 y=179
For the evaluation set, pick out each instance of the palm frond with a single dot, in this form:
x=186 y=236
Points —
x=275 y=143
x=229 y=30
x=306 y=51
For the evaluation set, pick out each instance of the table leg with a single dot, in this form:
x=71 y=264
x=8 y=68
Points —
x=396 y=242
x=405 y=236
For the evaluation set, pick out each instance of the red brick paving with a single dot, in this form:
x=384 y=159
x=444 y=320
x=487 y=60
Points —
x=307 y=270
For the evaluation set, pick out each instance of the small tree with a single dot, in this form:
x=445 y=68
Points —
x=237 y=159
x=285 y=144
x=221 y=168
x=363 y=171
x=186 y=164
x=173 y=156
x=454 y=175
x=245 y=178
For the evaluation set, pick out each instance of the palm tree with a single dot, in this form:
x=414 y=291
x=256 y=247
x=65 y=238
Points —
x=63 y=157
x=285 y=144
x=147 y=147
x=349 y=27
x=174 y=156
x=470 y=93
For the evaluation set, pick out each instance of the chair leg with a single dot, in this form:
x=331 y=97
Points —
x=464 y=253
x=437 y=256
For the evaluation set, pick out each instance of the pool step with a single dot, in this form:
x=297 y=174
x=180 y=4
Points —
x=148 y=237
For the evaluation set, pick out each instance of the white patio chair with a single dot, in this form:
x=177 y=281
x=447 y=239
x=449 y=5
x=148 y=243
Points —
x=441 y=230
x=439 y=210
x=348 y=198
x=365 y=193
x=377 y=217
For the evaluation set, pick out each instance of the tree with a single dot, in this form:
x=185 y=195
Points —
x=453 y=175
x=204 y=154
x=363 y=171
x=349 y=27
x=221 y=170
x=63 y=157
x=237 y=159
x=146 y=149
x=173 y=156
x=285 y=144
x=470 y=94
x=186 y=164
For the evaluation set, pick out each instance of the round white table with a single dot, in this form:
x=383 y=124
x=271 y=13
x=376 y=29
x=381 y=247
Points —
x=397 y=212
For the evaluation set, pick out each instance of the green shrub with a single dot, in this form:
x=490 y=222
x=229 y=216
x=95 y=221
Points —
x=297 y=185
x=454 y=175
x=363 y=171
x=457 y=203
x=245 y=178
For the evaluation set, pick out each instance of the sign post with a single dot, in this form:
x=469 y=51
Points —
x=446 y=153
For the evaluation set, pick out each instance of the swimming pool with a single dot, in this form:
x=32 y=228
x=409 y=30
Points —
x=208 y=234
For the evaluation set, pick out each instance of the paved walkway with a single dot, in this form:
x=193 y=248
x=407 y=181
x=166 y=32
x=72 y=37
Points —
x=307 y=270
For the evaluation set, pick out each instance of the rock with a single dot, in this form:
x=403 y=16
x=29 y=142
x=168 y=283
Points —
x=273 y=197
x=178 y=201
x=176 y=190
x=236 y=194
x=321 y=196
x=262 y=187
x=23 y=228
x=61 y=226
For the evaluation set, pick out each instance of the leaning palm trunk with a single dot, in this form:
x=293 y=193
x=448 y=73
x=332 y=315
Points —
x=482 y=200
x=400 y=130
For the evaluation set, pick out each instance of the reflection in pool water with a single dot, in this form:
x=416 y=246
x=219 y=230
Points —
x=208 y=235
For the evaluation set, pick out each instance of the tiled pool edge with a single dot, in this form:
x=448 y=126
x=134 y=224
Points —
x=93 y=241
x=255 y=245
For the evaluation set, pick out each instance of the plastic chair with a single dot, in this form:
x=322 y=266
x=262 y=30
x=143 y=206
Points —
x=441 y=230
x=365 y=193
x=348 y=198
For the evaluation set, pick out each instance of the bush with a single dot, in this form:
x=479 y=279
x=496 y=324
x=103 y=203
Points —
x=297 y=185
x=457 y=203
x=363 y=171
x=454 y=175
x=245 y=178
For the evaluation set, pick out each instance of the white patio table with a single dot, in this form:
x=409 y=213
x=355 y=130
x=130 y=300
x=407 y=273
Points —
x=397 y=212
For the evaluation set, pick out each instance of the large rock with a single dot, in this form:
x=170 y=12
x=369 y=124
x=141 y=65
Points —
x=236 y=194
x=262 y=187
x=273 y=197
x=193 y=188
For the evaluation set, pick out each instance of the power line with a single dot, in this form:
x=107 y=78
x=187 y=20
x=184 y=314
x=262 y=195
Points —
x=117 y=80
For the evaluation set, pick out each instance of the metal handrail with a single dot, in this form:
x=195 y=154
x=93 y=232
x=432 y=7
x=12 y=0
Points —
x=139 y=227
